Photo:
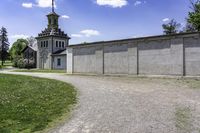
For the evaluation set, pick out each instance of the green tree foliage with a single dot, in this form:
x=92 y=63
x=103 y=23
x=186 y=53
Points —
x=16 y=52
x=17 y=47
x=194 y=16
x=171 y=27
x=4 y=45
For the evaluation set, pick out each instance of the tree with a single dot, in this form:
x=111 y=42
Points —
x=188 y=28
x=194 y=16
x=31 y=41
x=171 y=27
x=4 y=47
x=17 y=48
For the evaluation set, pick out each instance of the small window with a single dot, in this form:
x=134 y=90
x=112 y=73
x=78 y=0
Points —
x=44 y=44
x=58 y=62
x=60 y=44
x=41 y=44
x=56 y=43
x=63 y=44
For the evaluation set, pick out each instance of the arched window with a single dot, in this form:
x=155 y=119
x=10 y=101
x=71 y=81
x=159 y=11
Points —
x=47 y=43
x=59 y=44
x=63 y=44
x=41 y=44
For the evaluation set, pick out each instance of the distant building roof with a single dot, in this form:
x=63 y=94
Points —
x=60 y=52
x=33 y=48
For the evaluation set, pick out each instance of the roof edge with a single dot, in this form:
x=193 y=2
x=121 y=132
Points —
x=139 y=38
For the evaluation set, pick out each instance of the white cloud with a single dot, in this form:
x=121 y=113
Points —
x=44 y=3
x=112 y=3
x=76 y=35
x=19 y=36
x=86 y=33
x=65 y=17
x=165 y=19
x=138 y=3
x=39 y=3
x=90 y=32
x=27 y=5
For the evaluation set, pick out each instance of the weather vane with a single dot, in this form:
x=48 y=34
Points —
x=52 y=5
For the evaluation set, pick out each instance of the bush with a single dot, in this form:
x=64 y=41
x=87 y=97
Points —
x=20 y=63
x=15 y=61
x=23 y=63
x=29 y=64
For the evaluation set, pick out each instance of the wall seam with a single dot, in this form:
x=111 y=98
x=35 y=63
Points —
x=137 y=58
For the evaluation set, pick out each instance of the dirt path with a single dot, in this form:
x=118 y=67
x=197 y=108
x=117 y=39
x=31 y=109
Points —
x=131 y=105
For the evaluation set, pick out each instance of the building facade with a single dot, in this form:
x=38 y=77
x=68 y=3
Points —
x=52 y=43
x=30 y=56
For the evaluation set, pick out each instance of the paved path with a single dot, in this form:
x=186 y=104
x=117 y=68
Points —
x=131 y=105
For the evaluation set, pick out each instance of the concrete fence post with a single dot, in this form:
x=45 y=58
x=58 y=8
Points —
x=70 y=63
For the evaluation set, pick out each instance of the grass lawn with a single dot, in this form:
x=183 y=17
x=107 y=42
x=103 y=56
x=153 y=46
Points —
x=29 y=104
x=40 y=71
x=6 y=64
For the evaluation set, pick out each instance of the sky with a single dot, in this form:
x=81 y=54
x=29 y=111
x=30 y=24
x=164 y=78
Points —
x=92 y=20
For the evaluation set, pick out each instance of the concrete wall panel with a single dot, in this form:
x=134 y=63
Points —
x=116 y=59
x=154 y=57
x=192 y=56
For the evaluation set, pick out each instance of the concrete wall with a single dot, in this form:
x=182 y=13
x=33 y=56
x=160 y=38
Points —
x=192 y=56
x=159 y=55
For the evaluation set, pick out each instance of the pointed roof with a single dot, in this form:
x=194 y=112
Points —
x=53 y=11
x=52 y=31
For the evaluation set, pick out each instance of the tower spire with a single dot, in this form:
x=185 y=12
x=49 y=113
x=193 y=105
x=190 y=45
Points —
x=52 y=5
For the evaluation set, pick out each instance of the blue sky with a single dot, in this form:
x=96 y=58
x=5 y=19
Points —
x=92 y=20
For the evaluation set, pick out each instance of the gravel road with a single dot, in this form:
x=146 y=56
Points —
x=131 y=105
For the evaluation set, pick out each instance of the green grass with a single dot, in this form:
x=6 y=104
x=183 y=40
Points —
x=7 y=63
x=29 y=104
x=182 y=117
x=40 y=71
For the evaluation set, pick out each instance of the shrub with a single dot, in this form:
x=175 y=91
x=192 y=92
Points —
x=29 y=64
x=16 y=60
x=20 y=63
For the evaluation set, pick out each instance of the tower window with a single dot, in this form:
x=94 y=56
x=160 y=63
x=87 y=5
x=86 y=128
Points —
x=63 y=44
x=41 y=44
x=49 y=21
x=56 y=44
x=55 y=22
x=44 y=44
x=47 y=43
x=60 y=44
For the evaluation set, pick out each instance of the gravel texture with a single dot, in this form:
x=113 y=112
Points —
x=130 y=105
